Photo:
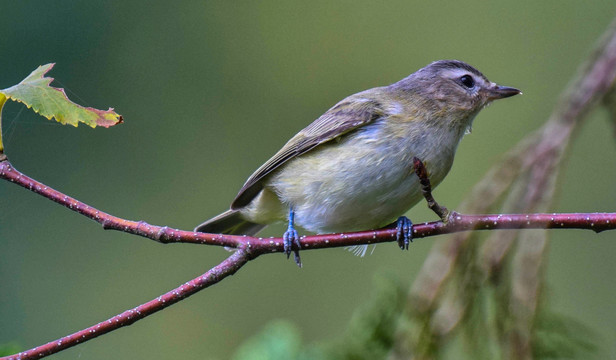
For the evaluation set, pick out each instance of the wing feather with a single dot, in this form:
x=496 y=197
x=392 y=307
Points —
x=346 y=116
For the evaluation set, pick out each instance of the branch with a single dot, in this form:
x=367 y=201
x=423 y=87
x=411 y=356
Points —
x=226 y=268
x=256 y=246
x=252 y=247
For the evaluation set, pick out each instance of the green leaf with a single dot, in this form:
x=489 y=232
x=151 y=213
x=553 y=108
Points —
x=34 y=92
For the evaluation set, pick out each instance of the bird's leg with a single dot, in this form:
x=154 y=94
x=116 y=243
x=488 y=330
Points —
x=426 y=189
x=291 y=237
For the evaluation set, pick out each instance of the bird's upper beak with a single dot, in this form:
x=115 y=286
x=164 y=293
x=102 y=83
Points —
x=501 y=92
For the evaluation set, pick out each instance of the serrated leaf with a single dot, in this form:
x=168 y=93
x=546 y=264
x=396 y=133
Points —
x=34 y=92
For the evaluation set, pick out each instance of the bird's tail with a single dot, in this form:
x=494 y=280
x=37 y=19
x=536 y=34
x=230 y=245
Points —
x=230 y=222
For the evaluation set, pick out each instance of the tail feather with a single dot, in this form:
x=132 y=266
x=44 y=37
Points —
x=360 y=250
x=230 y=222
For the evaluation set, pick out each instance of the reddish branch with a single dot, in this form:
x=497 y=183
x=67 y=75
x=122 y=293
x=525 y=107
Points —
x=251 y=247
x=257 y=246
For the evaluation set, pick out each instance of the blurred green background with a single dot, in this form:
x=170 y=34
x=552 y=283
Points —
x=210 y=90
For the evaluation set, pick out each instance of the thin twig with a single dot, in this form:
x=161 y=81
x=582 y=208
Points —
x=426 y=190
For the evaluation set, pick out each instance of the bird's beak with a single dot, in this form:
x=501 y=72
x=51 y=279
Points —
x=501 y=92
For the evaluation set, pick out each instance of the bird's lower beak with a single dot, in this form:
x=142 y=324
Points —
x=501 y=92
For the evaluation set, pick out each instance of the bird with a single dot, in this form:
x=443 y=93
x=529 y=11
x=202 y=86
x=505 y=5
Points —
x=351 y=169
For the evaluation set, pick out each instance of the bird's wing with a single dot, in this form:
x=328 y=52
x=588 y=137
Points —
x=347 y=115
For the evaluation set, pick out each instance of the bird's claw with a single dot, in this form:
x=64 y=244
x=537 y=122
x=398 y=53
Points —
x=291 y=237
x=404 y=234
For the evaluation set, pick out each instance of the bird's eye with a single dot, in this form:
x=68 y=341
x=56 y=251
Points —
x=467 y=81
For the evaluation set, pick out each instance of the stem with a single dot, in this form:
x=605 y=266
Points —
x=426 y=190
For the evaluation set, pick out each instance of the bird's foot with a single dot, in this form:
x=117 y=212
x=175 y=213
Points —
x=404 y=235
x=290 y=238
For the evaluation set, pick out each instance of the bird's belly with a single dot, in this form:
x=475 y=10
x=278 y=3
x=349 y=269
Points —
x=361 y=185
x=365 y=204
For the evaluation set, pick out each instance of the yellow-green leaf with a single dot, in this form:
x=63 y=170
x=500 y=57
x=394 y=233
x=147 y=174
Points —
x=34 y=92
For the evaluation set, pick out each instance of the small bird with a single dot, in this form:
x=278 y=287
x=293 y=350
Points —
x=352 y=168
